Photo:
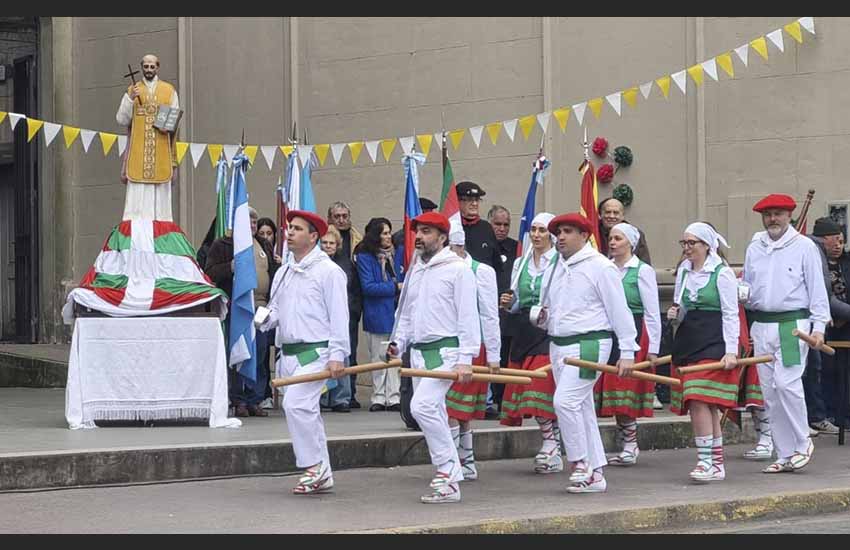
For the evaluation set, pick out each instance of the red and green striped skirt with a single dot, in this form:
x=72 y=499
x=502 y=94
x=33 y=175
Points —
x=528 y=400
x=615 y=396
x=716 y=387
x=468 y=401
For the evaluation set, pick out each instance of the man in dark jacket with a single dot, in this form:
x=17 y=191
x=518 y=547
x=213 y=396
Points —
x=500 y=219
x=612 y=212
x=481 y=241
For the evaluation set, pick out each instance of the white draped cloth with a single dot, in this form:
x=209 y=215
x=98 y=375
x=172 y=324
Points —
x=145 y=201
x=147 y=369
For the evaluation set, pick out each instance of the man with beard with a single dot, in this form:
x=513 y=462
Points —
x=437 y=320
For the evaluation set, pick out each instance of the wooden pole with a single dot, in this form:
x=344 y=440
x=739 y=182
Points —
x=811 y=341
x=325 y=374
x=718 y=365
x=637 y=366
x=614 y=370
x=453 y=375
x=511 y=372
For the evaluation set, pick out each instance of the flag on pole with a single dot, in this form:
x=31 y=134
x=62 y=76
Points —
x=412 y=207
x=449 y=203
x=242 y=337
x=537 y=170
x=589 y=200
x=280 y=238
x=307 y=200
x=221 y=198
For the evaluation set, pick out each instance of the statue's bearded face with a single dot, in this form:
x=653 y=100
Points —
x=150 y=66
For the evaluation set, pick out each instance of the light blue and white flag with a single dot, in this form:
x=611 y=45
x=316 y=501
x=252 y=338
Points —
x=242 y=340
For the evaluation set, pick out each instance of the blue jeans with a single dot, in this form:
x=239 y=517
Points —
x=813 y=387
x=340 y=395
x=244 y=390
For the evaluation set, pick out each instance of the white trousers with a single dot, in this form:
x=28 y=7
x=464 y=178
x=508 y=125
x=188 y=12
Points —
x=148 y=201
x=386 y=382
x=574 y=405
x=782 y=388
x=301 y=406
x=428 y=407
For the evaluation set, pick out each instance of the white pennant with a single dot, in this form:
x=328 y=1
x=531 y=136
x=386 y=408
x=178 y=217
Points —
x=742 y=53
x=510 y=127
x=645 y=89
x=304 y=154
x=406 y=144
x=372 y=149
x=229 y=153
x=808 y=23
x=50 y=131
x=710 y=68
x=475 y=132
x=336 y=150
x=14 y=118
x=87 y=136
x=616 y=101
x=269 y=152
x=197 y=150
x=679 y=79
x=776 y=38
x=438 y=140
x=578 y=109
x=543 y=120
x=122 y=144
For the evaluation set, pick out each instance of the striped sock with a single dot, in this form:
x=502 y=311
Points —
x=703 y=444
x=717 y=453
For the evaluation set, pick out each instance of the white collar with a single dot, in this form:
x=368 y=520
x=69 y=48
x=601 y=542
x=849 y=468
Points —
x=710 y=264
x=771 y=245
x=586 y=252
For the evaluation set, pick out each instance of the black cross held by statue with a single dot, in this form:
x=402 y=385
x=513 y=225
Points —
x=132 y=75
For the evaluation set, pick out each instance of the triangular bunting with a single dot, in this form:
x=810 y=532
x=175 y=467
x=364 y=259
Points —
x=2 y=116
x=355 y=148
x=562 y=115
x=14 y=118
x=510 y=127
x=578 y=109
x=287 y=150
x=322 y=152
x=33 y=126
x=122 y=144
x=630 y=95
x=493 y=130
x=425 y=141
x=70 y=134
x=760 y=46
x=776 y=38
x=304 y=152
x=87 y=136
x=439 y=139
x=456 y=137
x=526 y=123
x=793 y=29
x=664 y=84
x=742 y=52
x=645 y=89
x=108 y=140
x=679 y=79
x=476 y=132
x=808 y=23
x=725 y=62
x=181 y=150
x=336 y=151
x=387 y=147
x=50 y=131
x=543 y=120
x=710 y=68
x=595 y=105
x=214 y=151
x=372 y=149
x=251 y=152
x=696 y=74
x=615 y=100
x=195 y=149
x=406 y=144
x=269 y=152
x=230 y=152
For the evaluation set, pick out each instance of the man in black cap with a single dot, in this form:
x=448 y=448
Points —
x=481 y=241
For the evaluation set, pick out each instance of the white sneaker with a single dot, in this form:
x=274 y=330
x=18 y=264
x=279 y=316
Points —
x=706 y=474
x=267 y=403
x=626 y=458
x=316 y=479
x=443 y=491
x=581 y=473
x=813 y=432
x=656 y=404
x=596 y=484
x=762 y=451
x=548 y=462
x=824 y=427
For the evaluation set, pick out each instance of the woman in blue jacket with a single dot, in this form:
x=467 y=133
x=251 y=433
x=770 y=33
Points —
x=379 y=285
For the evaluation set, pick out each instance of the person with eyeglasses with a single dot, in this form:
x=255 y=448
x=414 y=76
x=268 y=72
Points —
x=705 y=304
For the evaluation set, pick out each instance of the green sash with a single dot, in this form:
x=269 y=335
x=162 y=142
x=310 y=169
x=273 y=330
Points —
x=305 y=352
x=788 y=343
x=431 y=351
x=588 y=348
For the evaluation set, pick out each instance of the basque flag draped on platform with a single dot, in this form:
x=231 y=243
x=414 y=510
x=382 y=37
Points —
x=411 y=201
x=537 y=170
x=589 y=199
x=242 y=340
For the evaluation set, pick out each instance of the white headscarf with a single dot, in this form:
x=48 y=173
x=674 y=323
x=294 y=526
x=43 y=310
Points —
x=542 y=219
x=709 y=236
x=456 y=234
x=631 y=232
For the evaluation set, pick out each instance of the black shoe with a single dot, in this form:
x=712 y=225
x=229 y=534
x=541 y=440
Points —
x=377 y=407
x=394 y=408
x=343 y=408
x=491 y=414
x=354 y=404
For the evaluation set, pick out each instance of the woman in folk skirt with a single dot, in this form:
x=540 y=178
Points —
x=706 y=304
x=629 y=398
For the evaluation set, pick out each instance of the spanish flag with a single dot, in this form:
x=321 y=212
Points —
x=589 y=199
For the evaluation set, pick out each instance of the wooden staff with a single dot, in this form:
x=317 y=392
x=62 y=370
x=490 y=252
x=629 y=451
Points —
x=453 y=375
x=510 y=372
x=614 y=370
x=325 y=374
x=843 y=344
x=646 y=364
x=811 y=341
x=718 y=365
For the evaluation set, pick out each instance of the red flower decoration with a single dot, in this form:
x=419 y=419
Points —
x=600 y=146
x=605 y=173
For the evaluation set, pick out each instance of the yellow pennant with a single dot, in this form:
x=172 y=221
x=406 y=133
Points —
x=760 y=46
x=562 y=115
x=108 y=140
x=215 y=153
x=250 y=152
x=387 y=147
x=526 y=124
x=355 y=149
x=791 y=28
x=287 y=150
x=595 y=106
x=725 y=62
x=456 y=136
x=70 y=134
x=696 y=73
x=425 y=142
x=322 y=152
x=33 y=126
x=2 y=116
x=630 y=95
x=493 y=130
x=664 y=84
x=181 y=151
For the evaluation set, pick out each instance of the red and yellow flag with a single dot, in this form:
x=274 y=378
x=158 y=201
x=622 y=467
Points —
x=589 y=199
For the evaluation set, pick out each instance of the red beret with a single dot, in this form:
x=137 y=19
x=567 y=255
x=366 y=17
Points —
x=783 y=202
x=434 y=219
x=320 y=224
x=574 y=219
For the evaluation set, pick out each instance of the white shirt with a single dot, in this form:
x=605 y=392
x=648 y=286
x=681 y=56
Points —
x=124 y=116
x=648 y=289
x=585 y=295
x=727 y=288
x=309 y=303
x=534 y=270
x=440 y=302
x=488 y=309
x=785 y=275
